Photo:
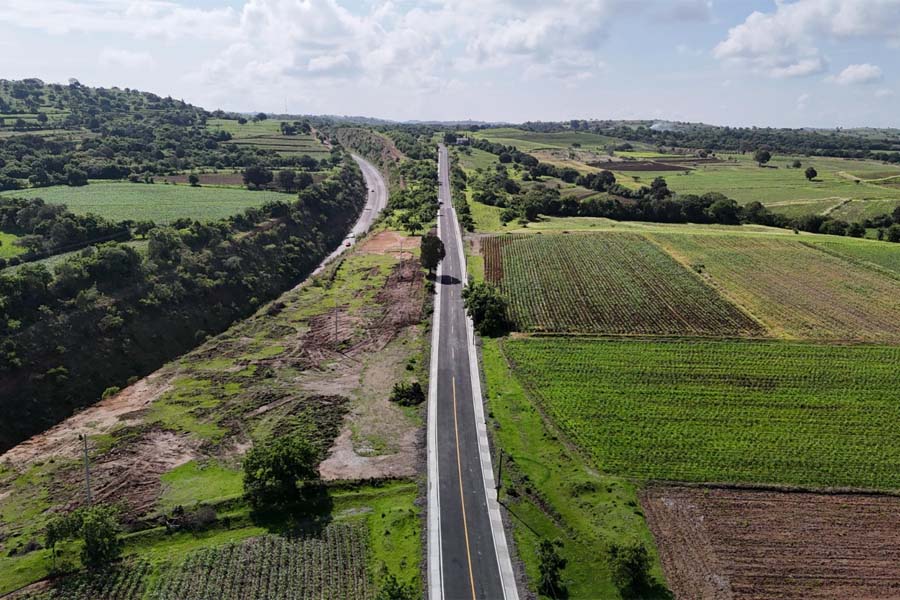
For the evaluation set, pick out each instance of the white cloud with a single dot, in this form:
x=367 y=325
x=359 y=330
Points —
x=116 y=57
x=139 y=18
x=856 y=75
x=785 y=43
x=803 y=101
x=884 y=93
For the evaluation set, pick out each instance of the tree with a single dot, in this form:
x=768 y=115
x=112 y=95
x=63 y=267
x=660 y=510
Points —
x=486 y=307
x=75 y=177
x=811 y=173
x=275 y=473
x=725 y=211
x=242 y=121
x=551 y=566
x=797 y=164
x=194 y=180
x=629 y=566
x=303 y=181
x=287 y=180
x=97 y=526
x=893 y=233
x=505 y=157
x=449 y=138
x=42 y=118
x=895 y=215
x=432 y=252
x=856 y=230
x=762 y=156
x=257 y=176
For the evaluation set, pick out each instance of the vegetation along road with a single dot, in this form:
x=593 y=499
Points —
x=468 y=556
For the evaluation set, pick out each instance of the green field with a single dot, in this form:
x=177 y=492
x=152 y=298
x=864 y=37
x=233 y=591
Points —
x=882 y=254
x=531 y=140
x=617 y=283
x=762 y=412
x=551 y=494
x=796 y=290
x=157 y=202
x=7 y=248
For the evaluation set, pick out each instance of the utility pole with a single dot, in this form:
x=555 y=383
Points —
x=87 y=468
x=500 y=472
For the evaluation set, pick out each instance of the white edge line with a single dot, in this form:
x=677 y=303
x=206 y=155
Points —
x=435 y=558
x=504 y=564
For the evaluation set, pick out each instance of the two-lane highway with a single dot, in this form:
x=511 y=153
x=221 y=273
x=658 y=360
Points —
x=468 y=555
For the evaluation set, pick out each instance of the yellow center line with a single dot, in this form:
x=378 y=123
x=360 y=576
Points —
x=462 y=498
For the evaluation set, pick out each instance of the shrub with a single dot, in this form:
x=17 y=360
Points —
x=487 y=308
x=551 y=566
x=110 y=391
x=629 y=566
x=407 y=394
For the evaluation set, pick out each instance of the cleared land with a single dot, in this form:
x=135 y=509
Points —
x=796 y=290
x=724 y=544
x=726 y=411
x=606 y=283
x=177 y=437
x=155 y=202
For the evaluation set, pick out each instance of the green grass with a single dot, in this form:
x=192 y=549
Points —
x=487 y=218
x=473 y=158
x=785 y=189
x=157 y=202
x=532 y=140
x=196 y=482
x=551 y=494
x=7 y=248
x=613 y=283
x=248 y=129
x=723 y=411
x=51 y=261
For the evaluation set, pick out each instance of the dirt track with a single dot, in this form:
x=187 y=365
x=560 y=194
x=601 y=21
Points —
x=763 y=545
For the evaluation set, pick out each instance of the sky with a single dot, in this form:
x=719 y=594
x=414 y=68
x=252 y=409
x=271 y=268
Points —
x=800 y=63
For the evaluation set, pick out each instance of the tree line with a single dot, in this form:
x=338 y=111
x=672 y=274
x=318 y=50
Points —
x=111 y=313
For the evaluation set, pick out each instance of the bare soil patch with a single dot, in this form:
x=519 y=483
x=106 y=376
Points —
x=62 y=439
x=745 y=544
x=392 y=243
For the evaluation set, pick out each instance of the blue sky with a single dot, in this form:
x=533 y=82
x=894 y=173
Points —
x=798 y=63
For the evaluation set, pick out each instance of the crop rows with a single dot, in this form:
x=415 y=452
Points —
x=125 y=582
x=330 y=566
x=797 y=290
x=615 y=283
x=727 y=411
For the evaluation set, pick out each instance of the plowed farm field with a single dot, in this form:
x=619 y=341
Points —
x=797 y=290
x=728 y=544
x=751 y=411
x=610 y=283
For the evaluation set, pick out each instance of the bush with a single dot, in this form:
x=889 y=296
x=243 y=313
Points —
x=629 y=566
x=551 y=567
x=391 y=589
x=487 y=308
x=110 y=391
x=407 y=394
x=275 y=474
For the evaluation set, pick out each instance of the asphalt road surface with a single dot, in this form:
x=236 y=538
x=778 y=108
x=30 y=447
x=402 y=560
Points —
x=468 y=558
x=375 y=203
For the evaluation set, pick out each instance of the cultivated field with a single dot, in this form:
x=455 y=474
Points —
x=867 y=252
x=796 y=290
x=156 y=202
x=326 y=565
x=722 y=411
x=726 y=544
x=606 y=283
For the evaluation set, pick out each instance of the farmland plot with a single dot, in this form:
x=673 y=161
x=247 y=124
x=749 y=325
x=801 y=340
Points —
x=617 y=283
x=758 y=544
x=796 y=290
x=726 y=411
x=330 y=565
